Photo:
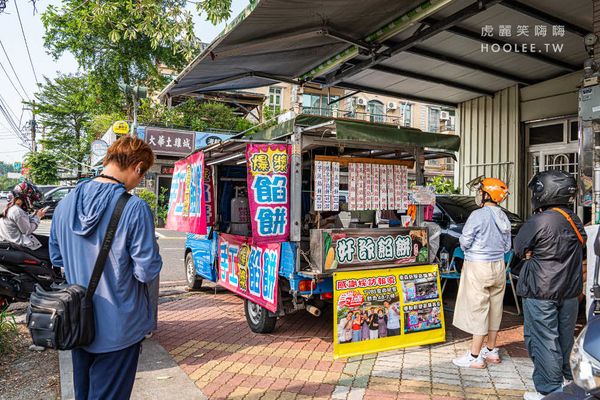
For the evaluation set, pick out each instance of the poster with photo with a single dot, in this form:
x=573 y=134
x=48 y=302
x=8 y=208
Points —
x=383 y=309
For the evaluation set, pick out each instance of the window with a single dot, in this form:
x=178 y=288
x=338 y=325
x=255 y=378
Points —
x=433 y=124
x=546 y=134
x=574 y=131
x=58 y=195
x=375 y=109
x=407 y=114
x=275 y=99
x=318 y=105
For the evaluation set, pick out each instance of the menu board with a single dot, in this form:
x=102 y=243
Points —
x=385 y=309
x=327 y=186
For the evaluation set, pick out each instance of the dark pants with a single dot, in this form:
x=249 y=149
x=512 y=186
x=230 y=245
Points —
x=549 y=331
x=105 y=375
x=43 y=253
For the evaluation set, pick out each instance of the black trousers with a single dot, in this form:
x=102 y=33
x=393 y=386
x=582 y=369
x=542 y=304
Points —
x=41 y=253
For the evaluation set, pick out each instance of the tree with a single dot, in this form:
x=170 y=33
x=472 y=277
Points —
x=193 y=115
x=43 y=167
x=64 y=107
x=125 y=41
x=443 y=185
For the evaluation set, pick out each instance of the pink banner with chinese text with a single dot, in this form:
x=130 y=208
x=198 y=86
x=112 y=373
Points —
x=268 y=191
x=187 y=206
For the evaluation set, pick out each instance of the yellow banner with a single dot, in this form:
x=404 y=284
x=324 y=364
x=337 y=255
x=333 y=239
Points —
x=385 y=309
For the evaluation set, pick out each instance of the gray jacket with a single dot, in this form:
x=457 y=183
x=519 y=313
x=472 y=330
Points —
x=17 y=228
x=486 y=235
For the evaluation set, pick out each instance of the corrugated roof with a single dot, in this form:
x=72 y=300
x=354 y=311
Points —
x=353 y=44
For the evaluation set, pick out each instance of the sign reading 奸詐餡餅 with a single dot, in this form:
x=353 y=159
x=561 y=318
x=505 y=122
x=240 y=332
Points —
x=187 y=210
x=249 y=269
x=268 y=191
x=171 y=142
x=392 y=308
x=349 y=247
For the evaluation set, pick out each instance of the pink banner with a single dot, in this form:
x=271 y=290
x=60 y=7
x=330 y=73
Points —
x=187 y=207
x=249 y=269
x=268 y=191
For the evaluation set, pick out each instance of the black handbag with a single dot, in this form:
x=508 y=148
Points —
x=64 y=319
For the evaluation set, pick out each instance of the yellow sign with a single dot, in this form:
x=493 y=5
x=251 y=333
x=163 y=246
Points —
x=121 y=128
x=385 y=309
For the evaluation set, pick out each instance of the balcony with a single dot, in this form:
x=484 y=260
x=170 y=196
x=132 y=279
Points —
x=355 y=115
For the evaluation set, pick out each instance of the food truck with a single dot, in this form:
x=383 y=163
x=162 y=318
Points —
x=290 y=207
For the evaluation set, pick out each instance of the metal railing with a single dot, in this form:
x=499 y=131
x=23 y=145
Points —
x=349 y=114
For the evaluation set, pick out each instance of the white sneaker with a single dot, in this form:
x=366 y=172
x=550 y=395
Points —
x=490 y=356
x=468 y=361
x=533 y=396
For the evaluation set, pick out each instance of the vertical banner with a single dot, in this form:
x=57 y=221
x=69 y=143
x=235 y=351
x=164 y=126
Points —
x=187 y=205
x=368 y=186
x=268 y=191
x=249 y=269
x=390 y=188
x=351 y=187
x=209 y=196
x=318 y=185
x=360 y=187
x=383 y=183
x=327 y=186
x=398 y=187
x=335 y=178
x=385 y=309
x=375 y=198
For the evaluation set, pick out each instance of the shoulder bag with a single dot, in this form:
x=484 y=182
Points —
x=64 y=319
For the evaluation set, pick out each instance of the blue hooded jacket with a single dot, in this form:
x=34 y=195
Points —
x=122 y=309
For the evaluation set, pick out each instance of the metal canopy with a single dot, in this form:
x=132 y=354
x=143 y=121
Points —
x=424 y=50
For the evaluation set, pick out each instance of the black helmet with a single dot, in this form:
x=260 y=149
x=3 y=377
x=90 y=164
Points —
x=552 y=188
x=28 y=193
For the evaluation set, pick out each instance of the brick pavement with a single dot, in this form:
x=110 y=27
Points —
x=207 y=335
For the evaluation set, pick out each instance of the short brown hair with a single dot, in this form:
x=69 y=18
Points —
x=128 y=151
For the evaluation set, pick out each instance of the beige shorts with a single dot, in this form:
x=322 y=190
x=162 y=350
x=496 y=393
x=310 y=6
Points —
x=480 y=297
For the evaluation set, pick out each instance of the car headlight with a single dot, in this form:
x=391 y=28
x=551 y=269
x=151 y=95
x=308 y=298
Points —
x=586 y=369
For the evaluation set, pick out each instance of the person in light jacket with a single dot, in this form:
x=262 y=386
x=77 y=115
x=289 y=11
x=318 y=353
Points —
x=123 y=308
x=485 y=239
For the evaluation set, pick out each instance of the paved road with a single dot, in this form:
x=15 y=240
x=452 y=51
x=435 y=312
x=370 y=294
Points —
x=171 y=245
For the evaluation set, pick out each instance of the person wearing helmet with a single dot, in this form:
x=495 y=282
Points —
x=18 y=221
x=485 y=238
x=551 y=278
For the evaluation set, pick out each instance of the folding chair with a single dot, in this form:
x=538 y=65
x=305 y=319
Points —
x=452 y=272
x=508 y=257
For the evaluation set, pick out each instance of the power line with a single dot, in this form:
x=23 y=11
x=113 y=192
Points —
x=26 y=44
x=13 y=70
x=11 y=82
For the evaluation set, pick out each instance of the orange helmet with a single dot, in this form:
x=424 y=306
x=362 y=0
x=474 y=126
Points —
x=494 y=187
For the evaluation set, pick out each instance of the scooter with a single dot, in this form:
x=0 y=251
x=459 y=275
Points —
x=20 y=272
x=585 y=356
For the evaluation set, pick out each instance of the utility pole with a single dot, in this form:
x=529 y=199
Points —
x=33 y=128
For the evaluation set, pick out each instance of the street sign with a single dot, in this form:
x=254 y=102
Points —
x=17 y=165
x=13 y=175
x=99 y=148
x=121 y=128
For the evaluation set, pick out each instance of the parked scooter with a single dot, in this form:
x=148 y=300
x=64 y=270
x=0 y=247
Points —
x=20 y=272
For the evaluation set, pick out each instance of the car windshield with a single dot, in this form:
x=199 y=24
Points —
x=460 y=207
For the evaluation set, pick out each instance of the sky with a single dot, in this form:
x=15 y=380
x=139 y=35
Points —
x=11 y=38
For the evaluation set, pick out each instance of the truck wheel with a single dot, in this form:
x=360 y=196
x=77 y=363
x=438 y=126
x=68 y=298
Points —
x=258 y=318
x=194 y=282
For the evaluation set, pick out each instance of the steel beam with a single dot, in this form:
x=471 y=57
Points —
x=545 y=17
x=338 y=76
x=466 y=33
x=389 y=93
x=430 y=78
x=471 y=65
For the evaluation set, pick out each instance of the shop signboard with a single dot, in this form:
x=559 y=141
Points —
x=249 y=269
x=204 y=139
x=346 y=248
x=167 y=169
x=385 y=309
x=268 y=191
x=120 y=128
x=170 y=142
x=187 y=209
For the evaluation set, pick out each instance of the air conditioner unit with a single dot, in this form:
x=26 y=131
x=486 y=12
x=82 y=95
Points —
x=444 y=115
x=391 y=105
x=361 y=101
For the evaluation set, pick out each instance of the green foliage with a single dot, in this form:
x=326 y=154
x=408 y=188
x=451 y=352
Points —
x=43 y=167
x=8 y=332
x=149 y=197
x=442 y=185
x=127 y=41
x=7 y=183
x=192 y=115
x=6 y=168
x=99 y=124
x=64 y=107
x=163 y=205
